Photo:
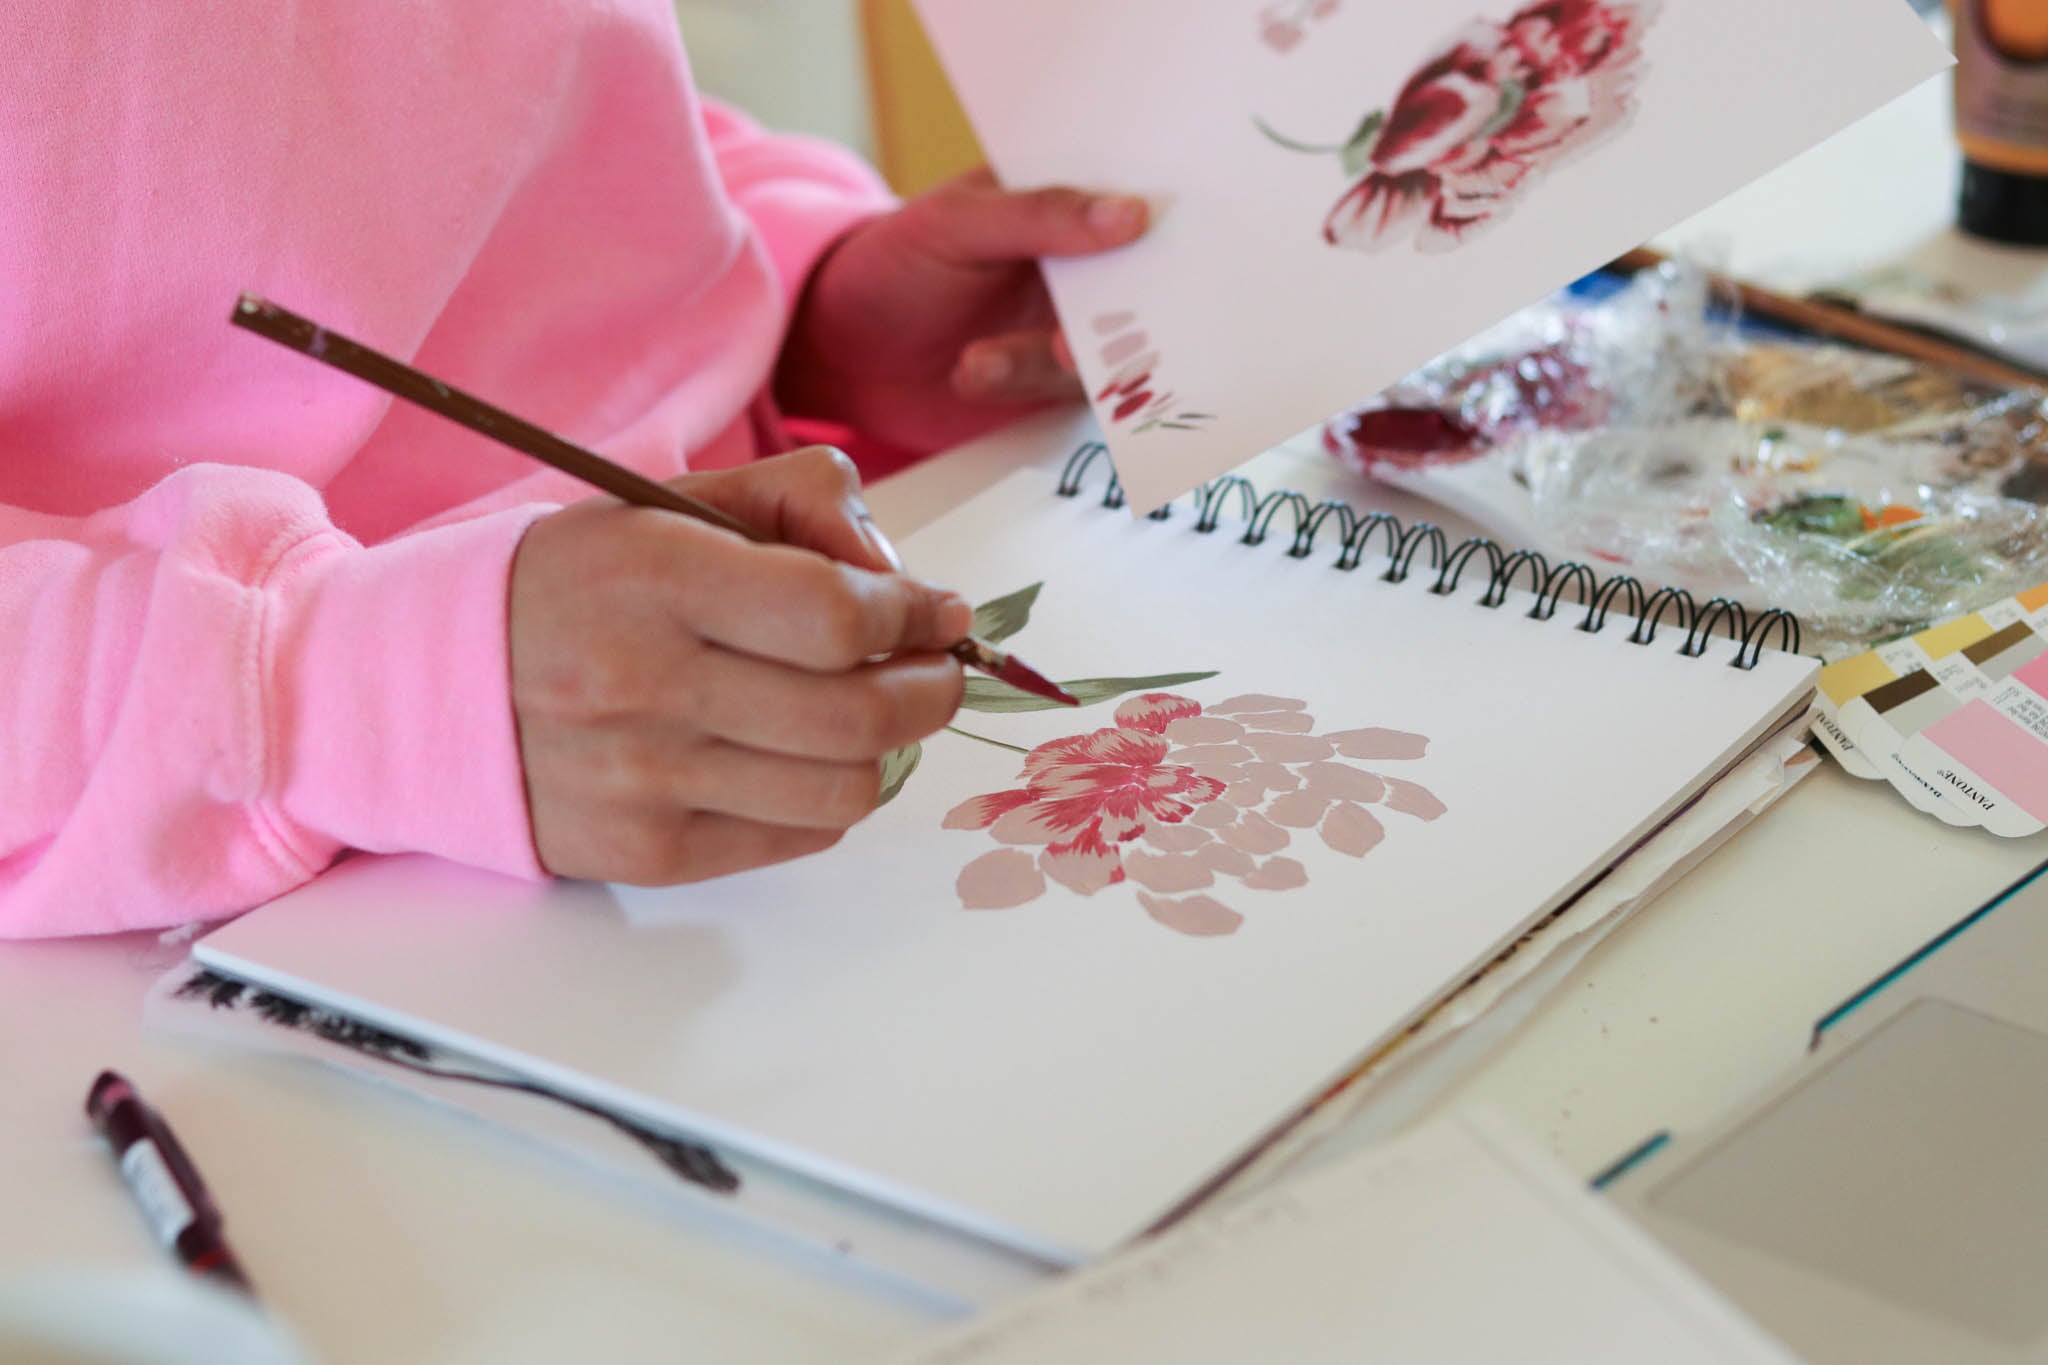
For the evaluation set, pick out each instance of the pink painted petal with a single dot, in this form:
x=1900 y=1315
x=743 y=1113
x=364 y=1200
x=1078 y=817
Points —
x=1298 y=810
x=1432 y=119
x=1277 y=874
x=1342 y=782
x=1152 y=712
x=1175 y=806
x=1203 y=730
x=1377 y=743
x=1084 y=864
x=1380 y=210
x=1202 y=757
x=1039 y=823
x=1247 y=794
x=1410 y=799
x=1123 y=348
x=1274 y=777
x=1282 y=722
x=1195 y=916
x=1290 y=748
x=1352 y=830
x=979 y=812
x=1217 y=815
x=1255 y=834
x=1121 y=826
x=1168 y=872
x=999 y=880
x=1183 y=838
x=1106 y=323
x=1222 y=858
x=1254 y=702
x=1547 y=118
x=1117 y=747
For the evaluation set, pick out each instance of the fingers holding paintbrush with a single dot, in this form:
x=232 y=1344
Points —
x=691 y=703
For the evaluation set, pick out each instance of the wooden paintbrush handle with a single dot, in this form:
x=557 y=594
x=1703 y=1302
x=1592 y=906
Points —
x=1857 y=329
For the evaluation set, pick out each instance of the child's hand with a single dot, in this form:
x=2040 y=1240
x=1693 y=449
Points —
x=932 y=324
x=691 y=704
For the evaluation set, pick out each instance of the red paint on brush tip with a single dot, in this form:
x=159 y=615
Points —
x=1017 y=674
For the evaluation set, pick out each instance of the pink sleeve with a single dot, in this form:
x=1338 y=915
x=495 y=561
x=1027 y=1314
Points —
x=802 y=194
x=207 y=693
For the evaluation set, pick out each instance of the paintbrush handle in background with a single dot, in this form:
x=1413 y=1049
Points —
x=1859 y=329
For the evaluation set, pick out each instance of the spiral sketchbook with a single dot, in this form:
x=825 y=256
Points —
x=1083 y=962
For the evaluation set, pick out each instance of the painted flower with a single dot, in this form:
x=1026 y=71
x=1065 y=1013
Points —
x=1175 y=798
x=1477 y=124
x=1086 y=795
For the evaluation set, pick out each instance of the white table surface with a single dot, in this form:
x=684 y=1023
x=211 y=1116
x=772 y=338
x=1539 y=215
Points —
x=385 y=1230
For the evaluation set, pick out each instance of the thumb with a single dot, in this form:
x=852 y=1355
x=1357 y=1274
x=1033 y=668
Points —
x=975 y=224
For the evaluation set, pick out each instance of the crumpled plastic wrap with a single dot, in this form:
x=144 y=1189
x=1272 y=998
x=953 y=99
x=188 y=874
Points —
x=1651 y=434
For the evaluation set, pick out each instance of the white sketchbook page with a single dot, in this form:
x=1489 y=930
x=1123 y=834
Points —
x=1457 y=1242
x=1061 y=1074
x=1253 y=318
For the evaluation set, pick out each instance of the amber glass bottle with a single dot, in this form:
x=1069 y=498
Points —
x=2002 y=117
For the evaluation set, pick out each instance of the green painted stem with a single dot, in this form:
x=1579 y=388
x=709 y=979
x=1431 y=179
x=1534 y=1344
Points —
x=1290 y=144
x=954 y=729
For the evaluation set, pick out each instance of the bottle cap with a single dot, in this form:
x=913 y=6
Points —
x=2002 y=206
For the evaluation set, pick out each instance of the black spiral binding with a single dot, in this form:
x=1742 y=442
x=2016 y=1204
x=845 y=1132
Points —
x=1402 y=544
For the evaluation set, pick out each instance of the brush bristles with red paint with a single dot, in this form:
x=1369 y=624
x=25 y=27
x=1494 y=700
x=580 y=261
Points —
x=395 y=377
x=1012 y=670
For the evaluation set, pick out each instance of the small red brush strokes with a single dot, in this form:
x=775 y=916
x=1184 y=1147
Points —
x=1482 y=121
x=1176 y=798
x=1134 y=396
x=1284 y=24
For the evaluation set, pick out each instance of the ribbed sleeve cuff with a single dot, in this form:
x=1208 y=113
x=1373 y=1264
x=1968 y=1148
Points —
x=393 y=728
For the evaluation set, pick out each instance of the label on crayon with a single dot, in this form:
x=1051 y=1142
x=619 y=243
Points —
x=163 y=1203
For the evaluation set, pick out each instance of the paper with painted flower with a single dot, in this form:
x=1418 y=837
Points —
x=1298 y=805
x=1347 y=188
x=1085 y=959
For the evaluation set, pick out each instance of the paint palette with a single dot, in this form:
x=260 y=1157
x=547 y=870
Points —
x=1955 y=717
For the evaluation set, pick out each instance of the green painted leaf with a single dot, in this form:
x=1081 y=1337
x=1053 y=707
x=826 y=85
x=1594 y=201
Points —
x=1357 y=153
x=896 y=770
x=1513 y=95
x=986 y=694
x=998 y=620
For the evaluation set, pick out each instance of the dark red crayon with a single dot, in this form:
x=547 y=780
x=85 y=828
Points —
x=308 y=338
x=163 y=1180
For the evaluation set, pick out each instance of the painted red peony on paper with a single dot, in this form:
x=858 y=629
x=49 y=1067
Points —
x=1176 y=797
x=1481 y=122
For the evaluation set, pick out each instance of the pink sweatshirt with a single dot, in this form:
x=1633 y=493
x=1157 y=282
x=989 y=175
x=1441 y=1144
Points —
x=251 y=613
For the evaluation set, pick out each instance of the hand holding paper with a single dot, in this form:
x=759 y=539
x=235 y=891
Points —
x=1355 y=186
x=932 y=325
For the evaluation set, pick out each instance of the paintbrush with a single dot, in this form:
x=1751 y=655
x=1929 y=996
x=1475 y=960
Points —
x=395 y=377
x=1859 y=329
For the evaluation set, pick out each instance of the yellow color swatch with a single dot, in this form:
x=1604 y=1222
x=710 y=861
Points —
x=1851 y=678
x=1948 y=637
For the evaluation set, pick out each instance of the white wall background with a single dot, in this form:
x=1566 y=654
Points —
x=793 y=64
